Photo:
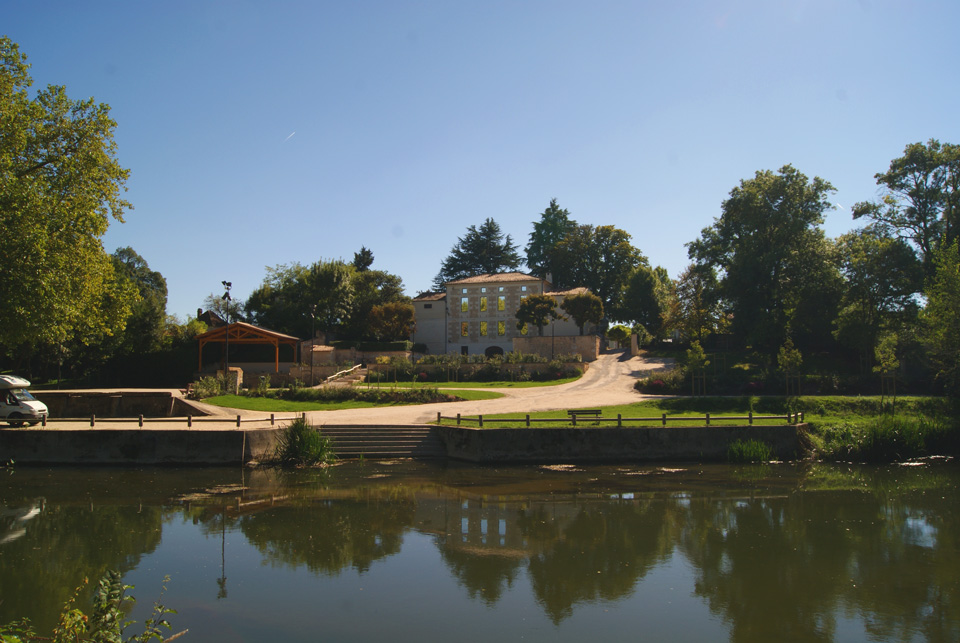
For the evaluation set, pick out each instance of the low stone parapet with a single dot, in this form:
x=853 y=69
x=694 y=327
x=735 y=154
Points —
x=560 y=445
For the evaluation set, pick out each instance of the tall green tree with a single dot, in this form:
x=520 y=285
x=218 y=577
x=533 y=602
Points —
x=599 y=258
x=697 y=309
x=584 y=308
x=483 y=250
x=554 y=224
x=340 y=293
x=146 y=326
x=881 y=279
x=537 y=310
x=392 y=321
x=370 y=288
x=941 y=319
x=778 y=274
x=646 y=299
x=921 y=198
x=363 y=259
x=60 y=184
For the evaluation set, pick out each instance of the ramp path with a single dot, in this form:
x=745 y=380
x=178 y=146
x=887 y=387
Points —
x=609 y=380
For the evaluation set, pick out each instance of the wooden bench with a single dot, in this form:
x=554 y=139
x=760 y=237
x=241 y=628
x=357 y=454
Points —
x=576 y=413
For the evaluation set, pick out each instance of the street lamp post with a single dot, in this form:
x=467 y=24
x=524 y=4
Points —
x=313 y=337
x=226 y=313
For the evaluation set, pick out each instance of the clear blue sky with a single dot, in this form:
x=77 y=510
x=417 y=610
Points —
x=266 y=133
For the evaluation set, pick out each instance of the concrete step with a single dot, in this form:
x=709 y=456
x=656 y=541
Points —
x=384 y=442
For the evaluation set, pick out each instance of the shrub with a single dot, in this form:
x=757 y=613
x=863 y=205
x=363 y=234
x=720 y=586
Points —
x=666 y=382
x=425 y=395
x=890 y=438
x=524 y=358
x=208 y=386
x=743 y=451
x=301 y=444
x=106 y=622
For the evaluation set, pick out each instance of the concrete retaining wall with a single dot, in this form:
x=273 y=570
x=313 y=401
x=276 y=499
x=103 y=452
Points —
x=614 y=444
x=137 y=447
x=78 y=404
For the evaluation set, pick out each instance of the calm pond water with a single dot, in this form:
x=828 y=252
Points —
x=428 y=552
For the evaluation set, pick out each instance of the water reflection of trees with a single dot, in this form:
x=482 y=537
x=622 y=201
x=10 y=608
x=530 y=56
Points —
x=329 y=536
x=64 y=544
x=773 y=560
x=602 y=553
x=784 y=568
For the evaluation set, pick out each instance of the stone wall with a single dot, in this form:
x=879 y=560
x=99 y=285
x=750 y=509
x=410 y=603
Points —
x=558 y=445
x=140 y=447
x=79 y=404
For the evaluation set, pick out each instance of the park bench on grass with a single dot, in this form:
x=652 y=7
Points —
x=576 y=413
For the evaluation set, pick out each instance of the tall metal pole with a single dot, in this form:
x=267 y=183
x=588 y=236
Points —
x=226 y=313
x=313 y=336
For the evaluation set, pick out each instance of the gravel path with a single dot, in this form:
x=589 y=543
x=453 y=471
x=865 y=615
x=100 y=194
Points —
x=608 y=381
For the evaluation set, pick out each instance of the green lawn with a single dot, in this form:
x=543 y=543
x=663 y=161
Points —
x=463 y=385
x=273 y=405
x=820 y=411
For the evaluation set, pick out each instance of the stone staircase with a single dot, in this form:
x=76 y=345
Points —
x=385 y=441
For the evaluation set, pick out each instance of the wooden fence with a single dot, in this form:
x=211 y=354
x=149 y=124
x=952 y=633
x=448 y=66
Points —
x=620 y=421
x=93 y=420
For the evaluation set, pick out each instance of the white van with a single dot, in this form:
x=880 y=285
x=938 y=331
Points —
x=17 y=406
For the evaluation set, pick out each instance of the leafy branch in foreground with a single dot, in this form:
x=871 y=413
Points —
x=107 y=623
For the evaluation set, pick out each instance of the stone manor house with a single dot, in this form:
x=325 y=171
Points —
x=478 y=315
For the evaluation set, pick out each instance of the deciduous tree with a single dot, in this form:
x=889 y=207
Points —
x=921 y=198
x=696 y=310
x=599 y=258
x=146 y=325
x=392 y=321
x=646 y=299
x=584 y=308
x=882 y=277
x=941 y=321
x=537 y=310
x=60 y=184
x=776 y=264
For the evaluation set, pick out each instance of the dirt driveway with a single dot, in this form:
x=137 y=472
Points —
x=608 y=381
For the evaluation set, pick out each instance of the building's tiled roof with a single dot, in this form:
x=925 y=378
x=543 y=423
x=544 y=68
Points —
x=430 y=296
x=493 y=278
x=573 y=291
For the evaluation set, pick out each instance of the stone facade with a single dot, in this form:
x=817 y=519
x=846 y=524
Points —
x=478 y=314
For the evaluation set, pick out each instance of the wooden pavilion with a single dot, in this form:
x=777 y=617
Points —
x=241 y=333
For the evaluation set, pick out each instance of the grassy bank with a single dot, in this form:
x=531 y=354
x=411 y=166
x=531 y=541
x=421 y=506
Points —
x=275 y=405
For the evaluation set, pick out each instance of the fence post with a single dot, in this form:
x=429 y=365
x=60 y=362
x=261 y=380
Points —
x=141 y=420
x=664 y=419
x=751 y=418
x=528 y=420
x=574 y=417
x=93 y=421
x=189 y=421
x=480 y=419
x=438 y=417
x=619 y=421
x=708 y=419
x=458 y=419
x=801 y=417
x=271 y=419
x=43 y=421
x=238 y=420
